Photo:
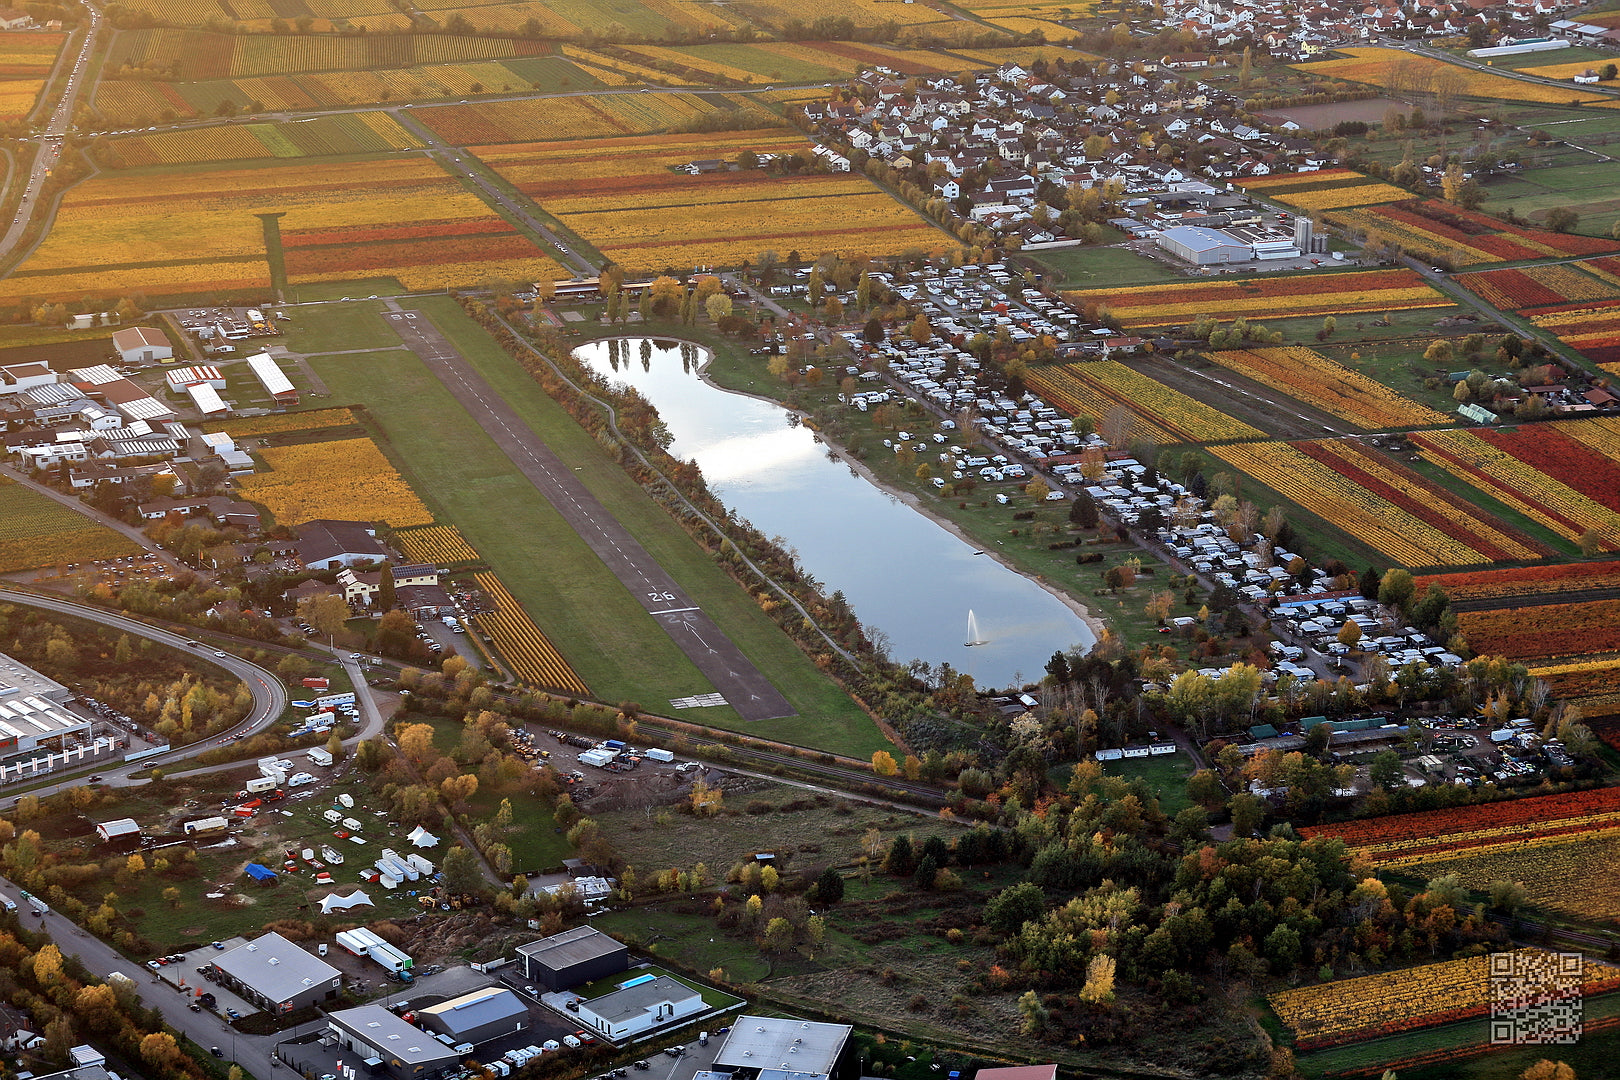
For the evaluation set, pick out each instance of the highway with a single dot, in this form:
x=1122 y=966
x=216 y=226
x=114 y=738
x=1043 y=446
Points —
x=56 y=129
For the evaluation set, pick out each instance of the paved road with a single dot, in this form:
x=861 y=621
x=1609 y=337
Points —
x=203 y=1028
x=744 y=687
x=269 y=695
x=461 y=163
x=50 y=145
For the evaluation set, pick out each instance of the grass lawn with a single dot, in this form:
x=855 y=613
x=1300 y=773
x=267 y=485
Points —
x=807 y=832
x=1398 y=363
x=1590 y=188
x=462 y=474
x=332 y=328
x=1574 y=55
x=193 y=919
x=1086 y=267
x=356 y=288
x=603 y=631
x=1166 y=777
x=690 y=937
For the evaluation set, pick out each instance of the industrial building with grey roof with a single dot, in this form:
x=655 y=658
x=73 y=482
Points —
x=277 y=975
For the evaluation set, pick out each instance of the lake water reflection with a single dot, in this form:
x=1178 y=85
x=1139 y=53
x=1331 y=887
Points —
x=903 y=573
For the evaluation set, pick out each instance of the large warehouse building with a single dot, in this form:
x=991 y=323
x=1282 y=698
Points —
x=388 y=1046
x=477 y=1017
x=277 y=975
x=572 y=958
x=1204 y=247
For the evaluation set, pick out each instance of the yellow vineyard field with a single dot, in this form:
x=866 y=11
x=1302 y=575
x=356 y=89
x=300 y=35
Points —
x=348 y=480
x=36 y=532
x=1394 y=69
x=526 y=650
x=437 y=544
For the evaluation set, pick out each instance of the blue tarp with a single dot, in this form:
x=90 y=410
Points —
x=260 y=873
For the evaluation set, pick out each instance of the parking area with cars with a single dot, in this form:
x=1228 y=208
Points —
x=186 y=974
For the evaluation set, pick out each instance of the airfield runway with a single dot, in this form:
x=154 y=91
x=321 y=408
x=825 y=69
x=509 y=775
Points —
x=733 y=674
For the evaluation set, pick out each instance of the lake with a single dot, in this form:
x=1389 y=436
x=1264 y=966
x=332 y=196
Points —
x=911 y=581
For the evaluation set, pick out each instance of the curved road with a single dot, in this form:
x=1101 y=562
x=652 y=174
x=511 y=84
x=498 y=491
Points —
x=269 y=695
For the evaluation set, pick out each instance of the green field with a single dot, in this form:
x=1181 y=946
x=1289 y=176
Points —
x=1166 y=777
x=1083 y=267
x=1575 y=55
x=193 y=920
x=536 y=842
x=802 y=828
x=602 y=630
x=761 y=62
x=1591 y=189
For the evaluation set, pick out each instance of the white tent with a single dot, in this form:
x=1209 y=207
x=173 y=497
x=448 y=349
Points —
x=334 y=902
x=422 y=838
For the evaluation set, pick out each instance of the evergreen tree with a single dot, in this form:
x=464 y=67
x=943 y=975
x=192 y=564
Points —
x=902 y=859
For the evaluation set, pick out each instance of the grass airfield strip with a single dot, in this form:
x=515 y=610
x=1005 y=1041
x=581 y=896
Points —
x=604 y=632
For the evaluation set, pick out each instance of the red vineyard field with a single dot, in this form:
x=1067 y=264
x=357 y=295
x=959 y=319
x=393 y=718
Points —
x=1434 y=825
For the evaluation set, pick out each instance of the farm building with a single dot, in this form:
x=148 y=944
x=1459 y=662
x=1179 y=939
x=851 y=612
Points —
x=572 y=957
x=142 y=345
x=19 y=377
x=272 y=378
x=206 y=399
x=416 y=574
x=105 y=383
x=277 y=975
x=180 y=378
x=640 y=1005
x=769 y=1048
x=388 y=1045
x=477 y=1017
x=122 y=829
x=1203 y=247
x=329 y=545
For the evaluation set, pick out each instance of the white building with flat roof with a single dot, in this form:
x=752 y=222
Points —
x=781 y=1049
x=640 y=1007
